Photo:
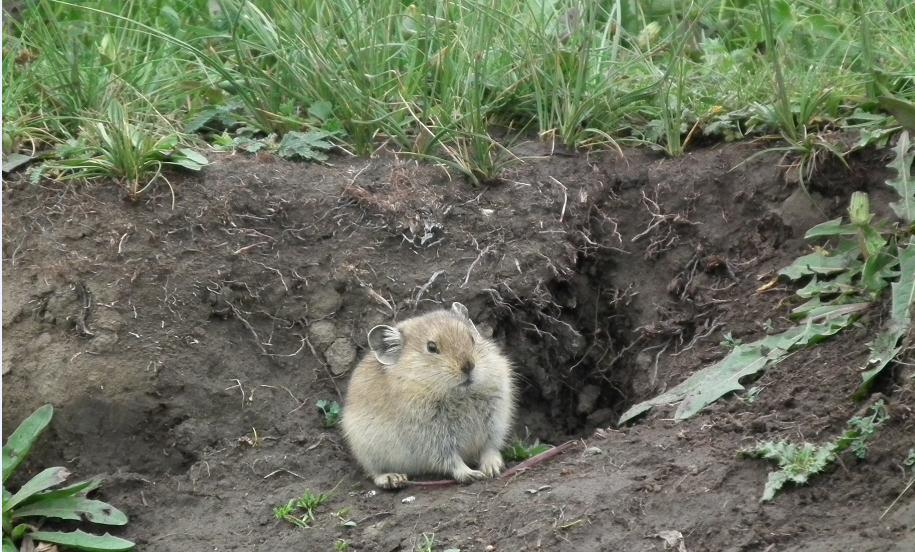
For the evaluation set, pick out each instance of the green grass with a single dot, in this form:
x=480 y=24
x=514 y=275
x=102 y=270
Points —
x=457 y=82
x=301 y=511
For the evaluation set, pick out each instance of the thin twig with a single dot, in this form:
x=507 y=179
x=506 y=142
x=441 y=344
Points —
x=904 y=491
x=326 y=368
x=539 y=459
x=248 y=325
x=283 y=470
x=474 y=263
x=425 y=286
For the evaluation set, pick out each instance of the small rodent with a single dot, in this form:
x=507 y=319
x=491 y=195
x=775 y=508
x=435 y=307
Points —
x=431 y=397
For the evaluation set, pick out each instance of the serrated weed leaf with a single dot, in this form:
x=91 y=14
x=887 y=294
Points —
x=818 y=262
x=903 y=183
x=886 y=345
x=713 y=382
x=306 y=146
x=73 y=508
x=19 y=444
x=45 y=479
x=79 y=540
x=831 y=228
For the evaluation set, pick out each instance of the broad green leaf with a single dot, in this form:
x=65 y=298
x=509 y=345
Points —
x=19 y=531
x=320 y=110
x=818 y=262
x=711 y=383
x=904 y=184
x=83 y=487
x=828 y=311
x=194 y=156
x=903 y=111
x=14 y=160
x=308 y=146
x=829 y=228
x=75 y=508
x=877 y=269
x=186 y=163
x=249 y=144
x=871 y=240
x=903 y=291
x=45 y=479
x=20 y=442
x=841 y=284
x=166 y=143
x=774 y=483
x=8 y=545
x=84 y=541
x=886 y=346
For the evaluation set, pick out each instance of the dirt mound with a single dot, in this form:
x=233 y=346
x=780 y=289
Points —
x=184 y=349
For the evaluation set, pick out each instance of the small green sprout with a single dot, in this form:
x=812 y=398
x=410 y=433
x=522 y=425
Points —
x=331 y=411
x=519 y=451
x=301 y=511
x=730 y=342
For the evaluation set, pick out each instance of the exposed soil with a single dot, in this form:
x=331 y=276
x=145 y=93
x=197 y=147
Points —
x=184 y=349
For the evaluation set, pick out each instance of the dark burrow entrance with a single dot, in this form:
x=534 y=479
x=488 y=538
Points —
x=572 y=345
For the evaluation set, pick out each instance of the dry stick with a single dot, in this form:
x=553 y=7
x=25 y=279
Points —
x=474 y=263
x=425 y=286
x=248 y=325
x=904 y=491
x=282 y=470
x=520 y=468
x=539 y=459
x=565 y=198
x=326 y=368
x=246 y=248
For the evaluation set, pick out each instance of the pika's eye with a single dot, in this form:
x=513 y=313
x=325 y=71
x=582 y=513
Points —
x=432 y=347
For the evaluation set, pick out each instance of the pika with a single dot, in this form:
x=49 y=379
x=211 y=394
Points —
x=432 y=396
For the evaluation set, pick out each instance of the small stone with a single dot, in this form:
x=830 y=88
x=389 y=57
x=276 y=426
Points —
x=601 y=417
x=800 y=210
x=409 y=500
x=322 y=333
x=340 y=356
x=593 y=451
x=489 y=548
x=41 y=342
x=587 y=397
x=324 y=302
x=103 y=342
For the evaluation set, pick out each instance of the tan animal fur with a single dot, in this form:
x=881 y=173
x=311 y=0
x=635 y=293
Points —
x=431 y=397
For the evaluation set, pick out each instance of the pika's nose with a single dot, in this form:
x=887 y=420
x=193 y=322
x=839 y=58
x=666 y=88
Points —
x=467 y=367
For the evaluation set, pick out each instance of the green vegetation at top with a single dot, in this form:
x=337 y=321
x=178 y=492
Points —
x=446 y=80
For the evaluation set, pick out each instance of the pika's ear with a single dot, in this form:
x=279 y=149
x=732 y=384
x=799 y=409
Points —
x=387 y=344
x=461 y=312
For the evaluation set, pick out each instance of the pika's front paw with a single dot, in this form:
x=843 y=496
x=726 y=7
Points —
x=391 y=481
x=491 y=463
x=466 y=475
